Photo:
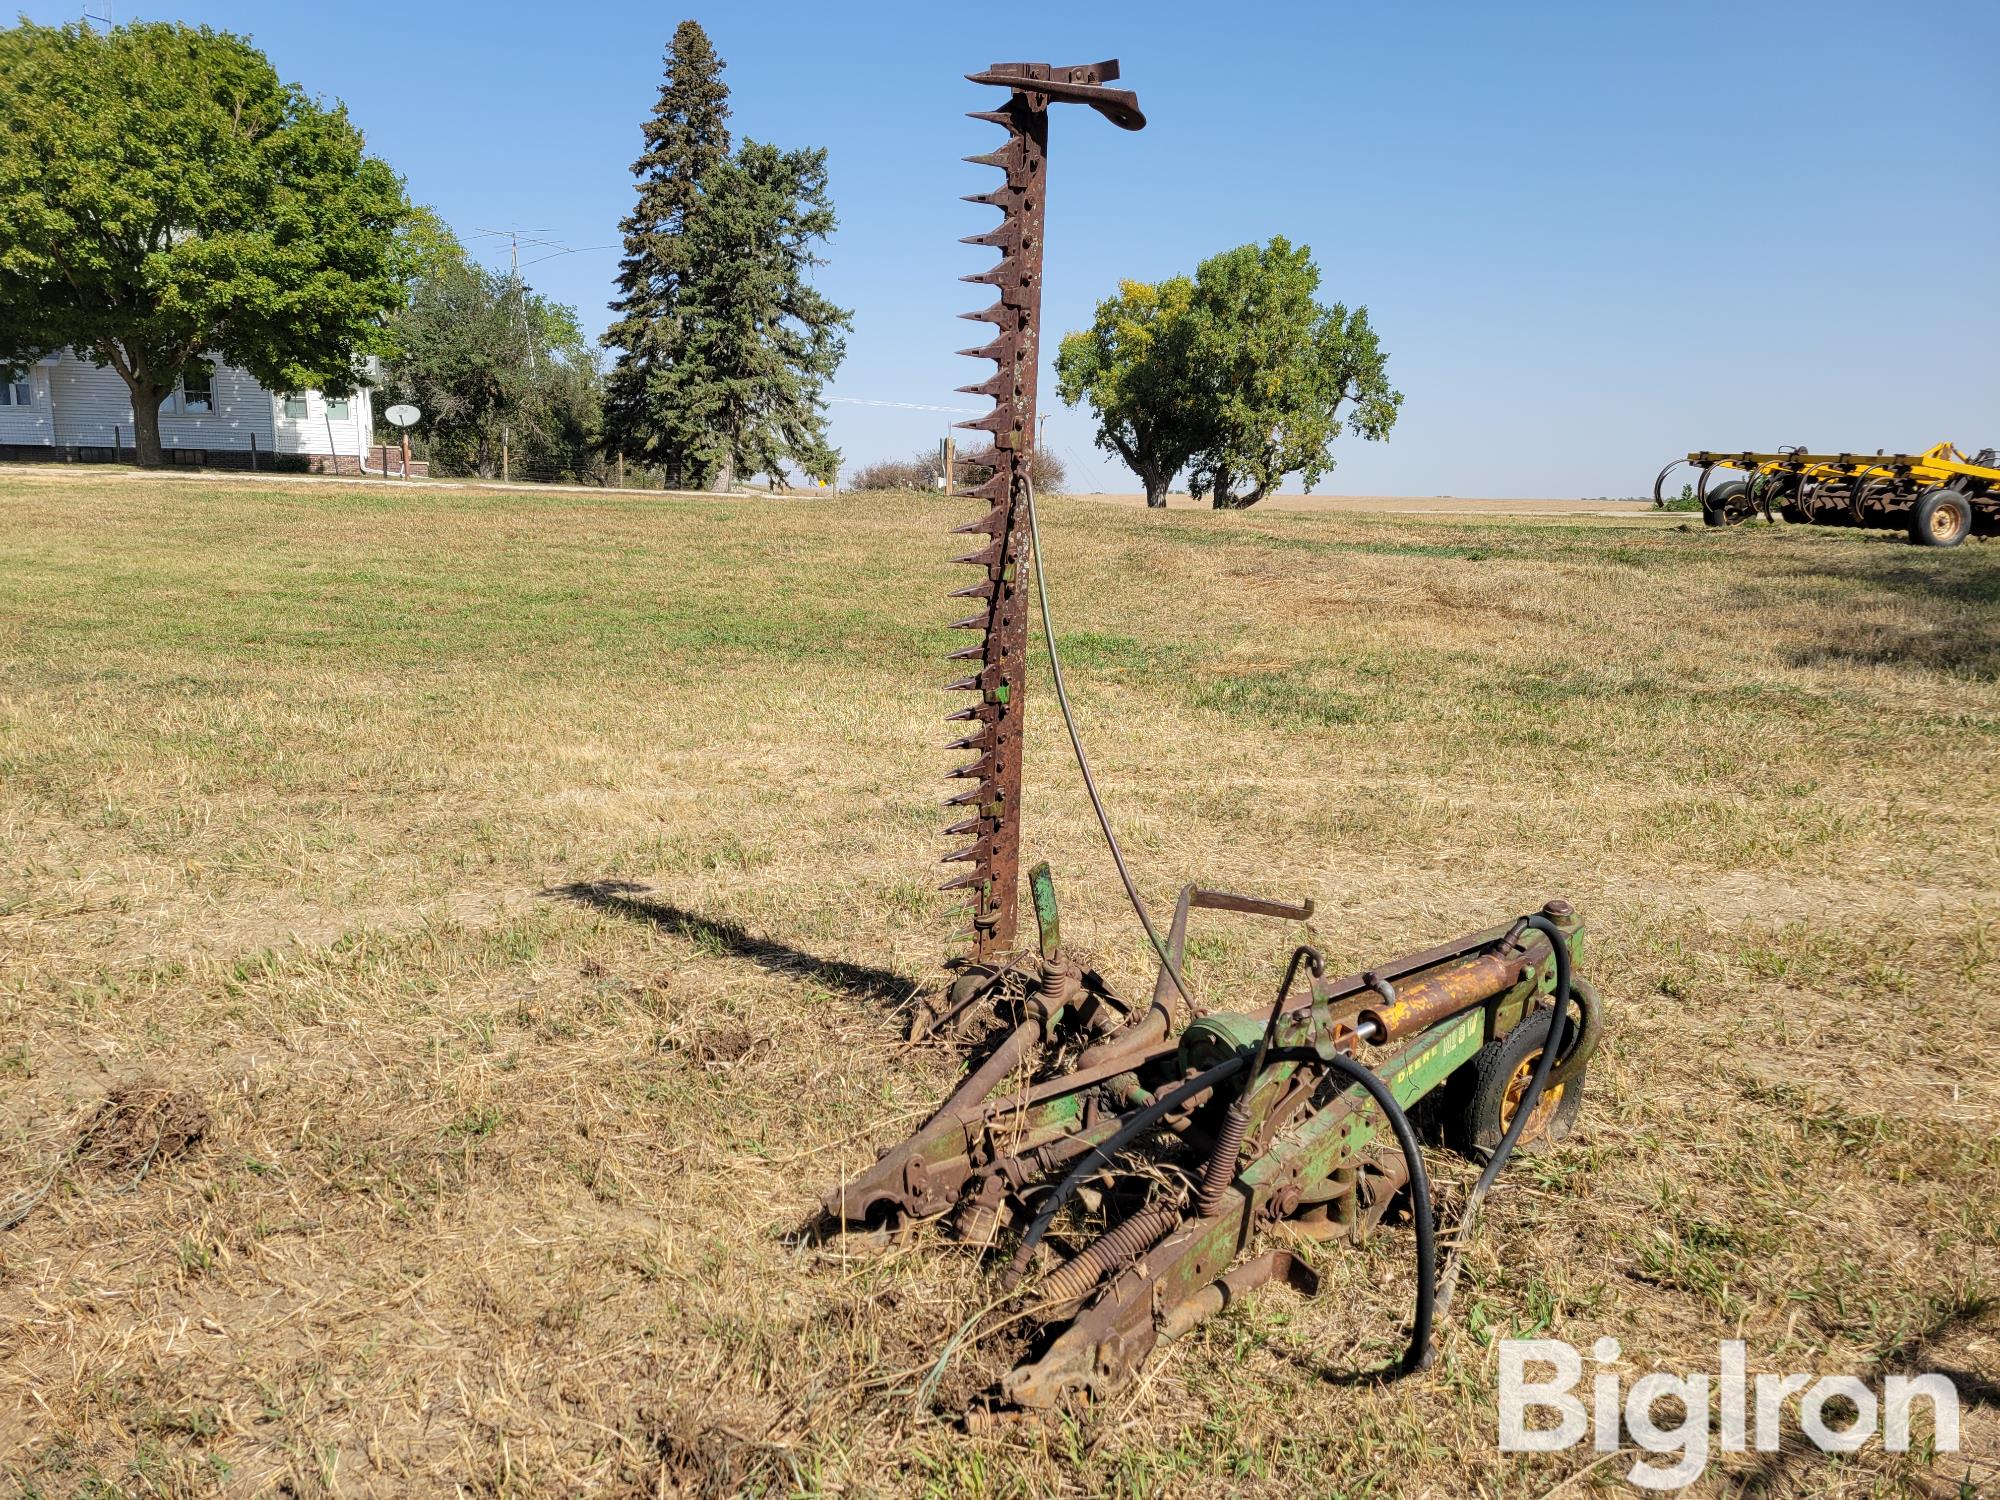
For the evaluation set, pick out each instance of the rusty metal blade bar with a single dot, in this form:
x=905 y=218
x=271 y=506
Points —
x=1001 y=681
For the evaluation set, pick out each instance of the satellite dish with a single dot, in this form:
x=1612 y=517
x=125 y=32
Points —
x=403 y=416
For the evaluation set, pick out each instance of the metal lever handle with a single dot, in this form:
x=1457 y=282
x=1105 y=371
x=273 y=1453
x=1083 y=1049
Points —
x=1251 y=906
x=1119 y=106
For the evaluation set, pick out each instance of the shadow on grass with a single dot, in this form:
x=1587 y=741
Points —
x=626 y=899
x=1770 y=1473
x=1961 y=592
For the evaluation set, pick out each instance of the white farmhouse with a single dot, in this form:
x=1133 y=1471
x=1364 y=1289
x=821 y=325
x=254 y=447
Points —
x=67 y=408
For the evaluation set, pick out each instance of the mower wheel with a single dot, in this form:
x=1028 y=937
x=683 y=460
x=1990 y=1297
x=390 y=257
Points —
x=1501 y=1074
x=1941 y=518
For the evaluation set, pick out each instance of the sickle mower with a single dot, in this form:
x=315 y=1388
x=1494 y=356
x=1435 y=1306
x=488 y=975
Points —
x=1179 y=1156
x=1939 y=496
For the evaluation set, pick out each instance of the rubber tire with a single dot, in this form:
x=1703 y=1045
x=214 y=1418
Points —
x=1715 y=508
x=1923 y=517
x=1480 y=1128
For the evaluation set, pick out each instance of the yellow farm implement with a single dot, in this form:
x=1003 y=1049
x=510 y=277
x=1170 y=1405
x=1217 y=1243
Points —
x=1939 y=496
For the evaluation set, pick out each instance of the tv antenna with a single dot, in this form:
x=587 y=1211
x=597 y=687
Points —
x=513 y=238
x=532 y=237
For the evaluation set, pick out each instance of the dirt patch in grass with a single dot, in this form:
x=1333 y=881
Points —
x=533 y=891
x=137 y=1127
x=140 y=1126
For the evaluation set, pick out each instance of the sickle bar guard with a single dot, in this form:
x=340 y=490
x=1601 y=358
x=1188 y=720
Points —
x=990 y=808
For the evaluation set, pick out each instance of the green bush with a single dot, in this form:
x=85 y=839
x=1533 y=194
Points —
x=919 y=473
x=924 y=470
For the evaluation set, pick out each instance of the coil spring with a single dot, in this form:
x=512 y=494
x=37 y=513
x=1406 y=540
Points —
x=1061 y=984
x=1221 y=1170
x=1076 y=1276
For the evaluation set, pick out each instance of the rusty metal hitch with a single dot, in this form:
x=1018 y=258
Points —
x=1261 y=1118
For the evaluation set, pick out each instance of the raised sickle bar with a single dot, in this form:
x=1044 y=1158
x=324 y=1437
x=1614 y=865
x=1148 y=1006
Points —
x=988 y=832
x=1129 y=1165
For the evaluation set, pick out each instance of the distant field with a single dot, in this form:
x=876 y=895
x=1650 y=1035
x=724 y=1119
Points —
x=1470 y=505
x=531 y=889
x=1462 y=505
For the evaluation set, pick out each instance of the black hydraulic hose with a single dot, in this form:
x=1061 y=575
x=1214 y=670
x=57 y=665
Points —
x=1419 y=1353
x=1103 y=1152
x=1083 y=760
x=1551 y=1046
x=1558 y=1019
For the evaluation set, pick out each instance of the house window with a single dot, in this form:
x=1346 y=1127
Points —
x=198 y=394
x=336 y=408
x=16 y=393
x=295 y=406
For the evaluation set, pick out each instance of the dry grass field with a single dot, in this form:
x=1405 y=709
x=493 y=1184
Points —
x=447 y=939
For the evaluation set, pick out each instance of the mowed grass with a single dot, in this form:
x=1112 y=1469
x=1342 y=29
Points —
x=533 y=889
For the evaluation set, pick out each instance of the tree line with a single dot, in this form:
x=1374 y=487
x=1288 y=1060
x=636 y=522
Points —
x=167 y=200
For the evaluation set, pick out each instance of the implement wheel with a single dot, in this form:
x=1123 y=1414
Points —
x=1942 y=518
x=1500 y=1077
x=1726 y=504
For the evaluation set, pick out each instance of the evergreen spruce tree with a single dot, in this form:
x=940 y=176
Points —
x=723 y=345
x=687 y=140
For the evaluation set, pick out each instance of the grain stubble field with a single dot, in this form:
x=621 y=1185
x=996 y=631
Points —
x=519 y=898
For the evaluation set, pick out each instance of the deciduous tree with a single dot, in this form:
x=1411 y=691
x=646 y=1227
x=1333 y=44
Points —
x=1135 y=366
x=165 y=198
x=1281 y=373
x=1237 y=375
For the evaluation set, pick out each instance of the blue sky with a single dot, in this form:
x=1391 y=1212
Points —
x=1590 y=235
